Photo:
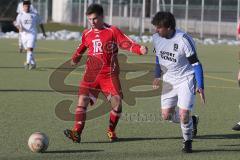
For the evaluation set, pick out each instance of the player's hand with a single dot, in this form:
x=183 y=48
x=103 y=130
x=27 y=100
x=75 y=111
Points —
x=202 y=95
x=73 y=63
x=156 y=83
x=143 y=50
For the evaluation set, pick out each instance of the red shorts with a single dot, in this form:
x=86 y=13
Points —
x=108 y=84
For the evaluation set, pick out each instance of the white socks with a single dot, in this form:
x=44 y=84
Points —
x=30 y=58
x=187 y=130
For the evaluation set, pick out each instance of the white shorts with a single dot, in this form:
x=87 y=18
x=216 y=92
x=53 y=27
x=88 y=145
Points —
x=28 y=40
x=179 y=92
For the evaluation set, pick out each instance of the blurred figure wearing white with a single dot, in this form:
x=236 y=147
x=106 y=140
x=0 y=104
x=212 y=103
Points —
x=18 y=11
x=26 y=23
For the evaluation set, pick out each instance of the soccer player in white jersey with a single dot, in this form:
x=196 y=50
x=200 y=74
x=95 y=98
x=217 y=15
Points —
x=27 y=22
x=179 y=66
x=18 y=11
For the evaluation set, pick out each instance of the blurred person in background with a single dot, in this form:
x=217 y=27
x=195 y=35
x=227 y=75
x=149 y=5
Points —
x=26 y=23
x=18 y=11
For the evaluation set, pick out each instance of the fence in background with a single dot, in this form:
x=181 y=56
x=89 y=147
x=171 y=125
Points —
x=200 y=18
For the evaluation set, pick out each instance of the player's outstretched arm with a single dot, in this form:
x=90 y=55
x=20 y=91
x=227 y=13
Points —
x=126 y=43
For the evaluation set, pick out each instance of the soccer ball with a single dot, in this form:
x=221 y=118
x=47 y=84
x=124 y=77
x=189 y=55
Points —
x=38 y=142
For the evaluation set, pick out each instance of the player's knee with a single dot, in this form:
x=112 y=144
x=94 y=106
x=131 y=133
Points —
x=30 y=49
x=83 y=100
x=80 y=109
x=166 y=116
x=167 y=113
x=117 y=109
x=116 y=101
x=184 y=118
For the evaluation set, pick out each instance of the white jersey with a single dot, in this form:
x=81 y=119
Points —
x=28 y=22
x=20 y=8
x=172 y=54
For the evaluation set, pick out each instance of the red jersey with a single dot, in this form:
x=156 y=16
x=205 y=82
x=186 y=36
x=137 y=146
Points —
x=102 y=48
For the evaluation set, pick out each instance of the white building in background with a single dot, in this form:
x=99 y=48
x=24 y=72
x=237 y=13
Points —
x=62 y=11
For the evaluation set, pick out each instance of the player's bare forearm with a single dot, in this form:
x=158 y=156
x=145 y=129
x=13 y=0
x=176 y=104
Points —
x=202 y=95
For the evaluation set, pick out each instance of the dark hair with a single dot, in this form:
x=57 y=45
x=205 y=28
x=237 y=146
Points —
x=95 y=8
x=164 y=19
x=26 y=2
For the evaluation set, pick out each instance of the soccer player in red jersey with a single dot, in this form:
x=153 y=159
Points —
x=102 y=70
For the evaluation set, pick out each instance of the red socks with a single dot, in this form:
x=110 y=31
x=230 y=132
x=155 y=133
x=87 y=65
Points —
x=113 y=121
x=80 y=118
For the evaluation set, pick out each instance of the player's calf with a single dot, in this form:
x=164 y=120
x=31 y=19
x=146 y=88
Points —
x=26 y=66
x=195 y=120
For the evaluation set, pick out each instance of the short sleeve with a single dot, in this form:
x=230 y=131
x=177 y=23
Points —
x=189 y=47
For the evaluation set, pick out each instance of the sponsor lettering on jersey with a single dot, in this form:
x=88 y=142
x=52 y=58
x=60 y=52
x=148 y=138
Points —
x=28 y=21
x=168 y=56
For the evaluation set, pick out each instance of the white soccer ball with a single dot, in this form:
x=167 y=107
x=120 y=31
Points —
x=38 y=142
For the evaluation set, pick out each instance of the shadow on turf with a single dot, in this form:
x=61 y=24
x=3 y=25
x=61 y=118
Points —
x=136 y=139
x=216 y=150
x=219 y=136
x=216 y=136
x=230 y=145
x=28 y=90
x=38 y=68
x=73 y=151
